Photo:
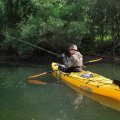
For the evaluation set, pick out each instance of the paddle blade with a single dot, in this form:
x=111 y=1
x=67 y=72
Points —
x=96 y=60
x=37 y=82
x=34 y=76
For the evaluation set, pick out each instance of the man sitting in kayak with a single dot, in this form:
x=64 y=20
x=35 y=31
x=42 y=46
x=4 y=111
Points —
x=74 y=62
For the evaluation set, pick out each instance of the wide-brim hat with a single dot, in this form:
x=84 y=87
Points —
x=73 y=47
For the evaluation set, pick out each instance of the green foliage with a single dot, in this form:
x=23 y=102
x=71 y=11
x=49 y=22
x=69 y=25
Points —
x=55 y=24
x=105 y=15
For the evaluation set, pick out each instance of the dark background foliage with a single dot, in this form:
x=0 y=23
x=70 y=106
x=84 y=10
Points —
x=94 y=25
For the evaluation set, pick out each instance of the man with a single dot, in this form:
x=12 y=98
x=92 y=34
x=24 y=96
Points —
x=74 y=62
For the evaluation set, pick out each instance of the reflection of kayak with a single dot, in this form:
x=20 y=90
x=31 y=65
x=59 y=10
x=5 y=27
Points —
x=92 y=83
x=107 y=101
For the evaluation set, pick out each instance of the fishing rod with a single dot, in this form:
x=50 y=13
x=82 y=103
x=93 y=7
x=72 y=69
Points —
x=39 y=48
x=35 y=46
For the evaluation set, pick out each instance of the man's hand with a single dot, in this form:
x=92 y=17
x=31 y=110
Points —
x=83 y=66
x=63 y=55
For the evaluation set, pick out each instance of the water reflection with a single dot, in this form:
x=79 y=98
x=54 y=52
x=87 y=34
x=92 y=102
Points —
x=78 y=101
x=109 y=102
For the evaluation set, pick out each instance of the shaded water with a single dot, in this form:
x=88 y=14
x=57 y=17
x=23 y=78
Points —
x=20 y=100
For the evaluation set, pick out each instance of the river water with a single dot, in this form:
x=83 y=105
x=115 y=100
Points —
x=20 y=100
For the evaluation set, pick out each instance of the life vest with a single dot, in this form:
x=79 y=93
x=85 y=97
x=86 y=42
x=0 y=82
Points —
x=75 y=60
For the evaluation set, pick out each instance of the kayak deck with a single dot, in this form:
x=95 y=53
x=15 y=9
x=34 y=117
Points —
x=95 y=83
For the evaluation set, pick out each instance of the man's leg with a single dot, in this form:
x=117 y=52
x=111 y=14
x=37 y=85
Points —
x=60 y=67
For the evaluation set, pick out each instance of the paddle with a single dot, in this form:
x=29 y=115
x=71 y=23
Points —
x=44 y=73
x=41 y=74
x=93 y=60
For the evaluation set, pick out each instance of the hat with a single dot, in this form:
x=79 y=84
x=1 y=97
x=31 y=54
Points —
x=73 y=47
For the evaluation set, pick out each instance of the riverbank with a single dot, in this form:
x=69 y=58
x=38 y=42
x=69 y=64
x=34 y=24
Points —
x=32 y=59
x=48 y=58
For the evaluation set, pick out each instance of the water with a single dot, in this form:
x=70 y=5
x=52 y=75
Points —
x=20 y=100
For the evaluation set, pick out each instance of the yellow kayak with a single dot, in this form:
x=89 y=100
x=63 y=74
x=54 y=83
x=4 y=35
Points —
x=88 y=81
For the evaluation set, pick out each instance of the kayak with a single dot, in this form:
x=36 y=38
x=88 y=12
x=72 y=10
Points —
x=89 y=81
